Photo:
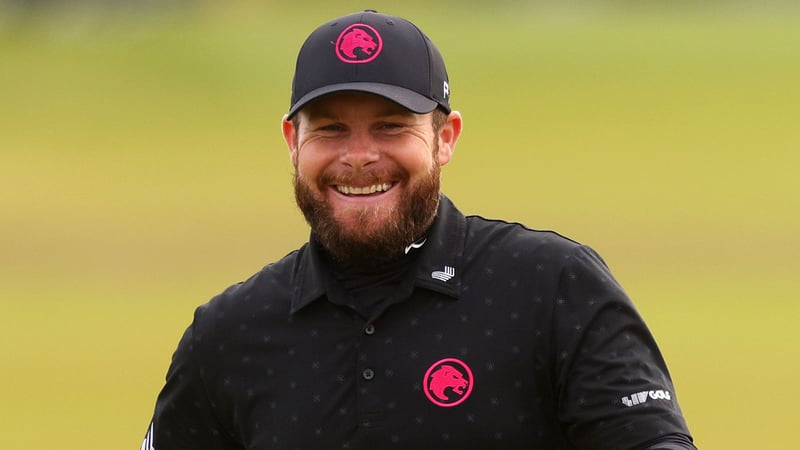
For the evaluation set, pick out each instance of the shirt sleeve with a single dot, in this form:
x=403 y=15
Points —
x=184 y=417
x=614 y=389
x=673 y=442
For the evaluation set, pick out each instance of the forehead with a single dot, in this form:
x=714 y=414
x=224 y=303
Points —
x=355 y=104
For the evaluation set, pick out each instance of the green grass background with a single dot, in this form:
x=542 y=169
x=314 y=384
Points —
x=142 y=171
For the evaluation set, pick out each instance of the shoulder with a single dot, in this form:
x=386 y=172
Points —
x=268 y=291
x=516 y=239
x=516 y=250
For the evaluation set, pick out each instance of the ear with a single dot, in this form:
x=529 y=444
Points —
x=448 y=136
x=290 y=136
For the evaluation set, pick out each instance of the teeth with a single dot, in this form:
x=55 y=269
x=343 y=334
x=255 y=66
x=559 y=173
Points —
x=353 y=190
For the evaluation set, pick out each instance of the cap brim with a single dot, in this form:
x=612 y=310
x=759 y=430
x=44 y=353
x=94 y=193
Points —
x=402 y=96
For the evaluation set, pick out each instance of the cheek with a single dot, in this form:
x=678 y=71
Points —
x=309 y=163
x=308 y=174
x=418 y=163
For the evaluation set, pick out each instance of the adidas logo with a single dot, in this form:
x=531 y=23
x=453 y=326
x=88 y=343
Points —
x=639 y=398
x=444 y=275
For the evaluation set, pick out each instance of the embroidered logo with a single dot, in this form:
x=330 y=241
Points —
x=359 y=43
x=444 y=275
x=638 y=398
x=448 y=382
x=416 y=245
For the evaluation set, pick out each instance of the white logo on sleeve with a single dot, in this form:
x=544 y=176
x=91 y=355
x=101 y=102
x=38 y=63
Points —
x=639 y=398
x=148 y=440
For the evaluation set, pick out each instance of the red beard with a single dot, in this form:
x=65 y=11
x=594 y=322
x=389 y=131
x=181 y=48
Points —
x=367 y=243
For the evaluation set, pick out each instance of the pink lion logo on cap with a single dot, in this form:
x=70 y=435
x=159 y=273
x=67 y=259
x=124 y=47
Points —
x=448 y=382
x=362 y=37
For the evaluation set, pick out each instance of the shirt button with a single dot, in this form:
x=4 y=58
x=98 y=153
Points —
x=370 y=329
x=368 y=374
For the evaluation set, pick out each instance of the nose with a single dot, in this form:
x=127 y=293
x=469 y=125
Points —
x=359 y=151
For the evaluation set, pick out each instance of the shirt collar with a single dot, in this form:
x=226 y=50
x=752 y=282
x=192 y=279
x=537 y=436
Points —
x=438 y=267
x=440 y=264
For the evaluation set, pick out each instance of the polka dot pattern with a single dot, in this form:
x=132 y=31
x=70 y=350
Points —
x=551 y=341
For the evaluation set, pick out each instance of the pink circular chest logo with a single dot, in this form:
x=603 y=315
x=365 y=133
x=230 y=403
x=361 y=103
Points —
x=448 y=382
x=359 y=43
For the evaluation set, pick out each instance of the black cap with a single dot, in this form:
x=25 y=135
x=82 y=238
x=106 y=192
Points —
x=371 y=52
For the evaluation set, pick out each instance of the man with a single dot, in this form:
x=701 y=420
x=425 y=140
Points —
x=402 y=323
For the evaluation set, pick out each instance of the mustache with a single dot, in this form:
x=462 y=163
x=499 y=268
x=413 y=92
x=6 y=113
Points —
x=360 y=177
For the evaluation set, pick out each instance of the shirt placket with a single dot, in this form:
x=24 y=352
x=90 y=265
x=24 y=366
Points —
x=371 y=382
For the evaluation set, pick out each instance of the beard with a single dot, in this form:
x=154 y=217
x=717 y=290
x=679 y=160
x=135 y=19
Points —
x=379 y=234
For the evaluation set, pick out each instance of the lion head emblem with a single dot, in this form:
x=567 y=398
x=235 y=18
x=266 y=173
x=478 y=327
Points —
x=445 y=377
x=448 y=382
x=358 y=43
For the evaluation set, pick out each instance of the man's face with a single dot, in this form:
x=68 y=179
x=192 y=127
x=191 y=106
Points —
x=367 y=173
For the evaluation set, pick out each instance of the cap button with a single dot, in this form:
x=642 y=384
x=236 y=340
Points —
x=370 y=10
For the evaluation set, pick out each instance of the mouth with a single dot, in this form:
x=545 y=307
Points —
x=363 y=190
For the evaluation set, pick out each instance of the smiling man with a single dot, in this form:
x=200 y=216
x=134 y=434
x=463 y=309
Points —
x=367 y=172
x=403 y=323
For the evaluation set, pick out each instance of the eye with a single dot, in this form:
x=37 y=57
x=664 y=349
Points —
x=391 y=126
x=331 y=127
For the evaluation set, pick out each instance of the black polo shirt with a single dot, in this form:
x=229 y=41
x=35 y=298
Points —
x=500 y=337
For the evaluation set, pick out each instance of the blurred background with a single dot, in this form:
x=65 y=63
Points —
x=142 y=171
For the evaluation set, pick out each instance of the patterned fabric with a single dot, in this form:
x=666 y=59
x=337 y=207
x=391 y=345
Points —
x=499 y=337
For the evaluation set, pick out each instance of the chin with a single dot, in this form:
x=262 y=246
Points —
x=365 y=220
